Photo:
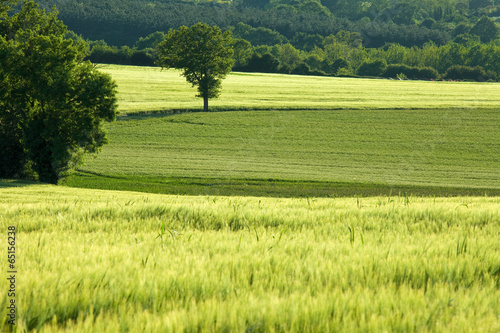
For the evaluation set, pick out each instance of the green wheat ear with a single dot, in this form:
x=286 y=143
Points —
x=462 y=245
x=351 y=235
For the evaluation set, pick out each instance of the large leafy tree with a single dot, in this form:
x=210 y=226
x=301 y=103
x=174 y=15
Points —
x=52 y=102
x=203 y=53
x=486 y=29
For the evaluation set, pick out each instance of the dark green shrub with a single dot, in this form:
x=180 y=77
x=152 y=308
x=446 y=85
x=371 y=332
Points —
x=419 y=73
x=394 y=70
x=142 y=58
x=427 y=73
x=457 y=72
x=105 y=54
x=372 y=68
x=301 y=69
x=266 y=63
x=110 y=55
x=333 y=67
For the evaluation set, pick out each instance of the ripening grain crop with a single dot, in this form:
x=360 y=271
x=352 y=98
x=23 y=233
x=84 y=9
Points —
x=104 y=261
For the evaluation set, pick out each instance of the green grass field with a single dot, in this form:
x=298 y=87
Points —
x=151 y=89
x=368 y=137
x=314 y=153
x=109 y=261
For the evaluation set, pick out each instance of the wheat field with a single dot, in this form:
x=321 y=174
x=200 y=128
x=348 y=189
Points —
x=108 y=261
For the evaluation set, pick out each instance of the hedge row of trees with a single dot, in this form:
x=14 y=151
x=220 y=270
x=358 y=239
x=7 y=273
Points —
x=340 y=54
x=380 y=68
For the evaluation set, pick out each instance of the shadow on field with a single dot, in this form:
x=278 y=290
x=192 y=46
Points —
x=152 y=114
x=5 y=183
x=262 y=187
x=139 y=115
x=144 y=115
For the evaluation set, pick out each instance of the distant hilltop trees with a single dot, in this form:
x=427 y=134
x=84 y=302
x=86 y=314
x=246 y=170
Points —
x=409 y=23
x=326 y=37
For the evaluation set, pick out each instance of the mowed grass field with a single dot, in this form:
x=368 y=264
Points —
x=367 y=137
x=109 y=261
x=301 y=153
x=151 y=89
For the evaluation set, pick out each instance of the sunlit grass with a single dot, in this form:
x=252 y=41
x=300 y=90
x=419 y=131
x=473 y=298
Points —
x=448 y=148
x=152 y=89
x=356 y=136
x=107 y=261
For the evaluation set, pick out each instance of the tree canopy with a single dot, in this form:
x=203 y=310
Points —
x=203 y=53
x=52 y=102
x=485 y=29
x=337 y=42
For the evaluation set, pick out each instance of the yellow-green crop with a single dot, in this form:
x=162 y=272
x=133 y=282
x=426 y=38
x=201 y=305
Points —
x=103 y=261
x=151 y=89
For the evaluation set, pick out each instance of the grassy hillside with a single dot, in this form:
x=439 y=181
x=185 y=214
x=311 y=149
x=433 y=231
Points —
x=100 y=261
x=151 y=89
x=302 y=153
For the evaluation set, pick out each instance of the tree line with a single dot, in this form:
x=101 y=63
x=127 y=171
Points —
x=122 y=22
x=303 y=36
x=341 y=54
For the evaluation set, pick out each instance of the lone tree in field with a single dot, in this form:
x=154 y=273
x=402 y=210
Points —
x=203 y=53
x=52 y=102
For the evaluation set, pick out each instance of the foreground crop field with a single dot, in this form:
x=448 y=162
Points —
x=349 y=152
x=151 y=89
x=103 y=261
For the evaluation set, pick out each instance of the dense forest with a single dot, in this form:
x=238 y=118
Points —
x=431 y=39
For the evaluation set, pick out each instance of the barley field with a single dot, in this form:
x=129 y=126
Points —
x=109 y=261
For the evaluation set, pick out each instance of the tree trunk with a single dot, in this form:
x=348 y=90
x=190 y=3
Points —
x=205 y=103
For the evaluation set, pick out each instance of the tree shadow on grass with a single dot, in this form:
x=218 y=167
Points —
x=142 y=115
x=6 y=183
